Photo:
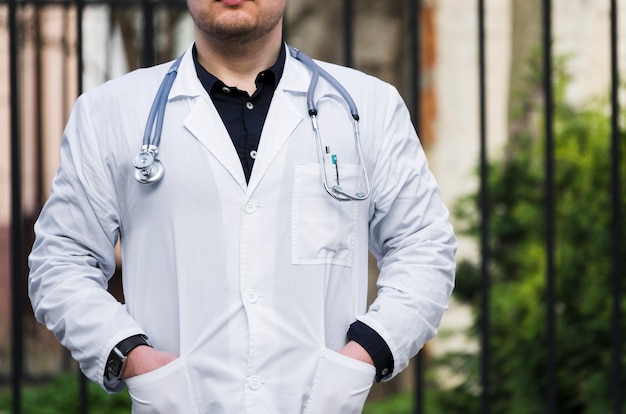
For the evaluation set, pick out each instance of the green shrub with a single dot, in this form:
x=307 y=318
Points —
x=583 y=226
x=60 y=396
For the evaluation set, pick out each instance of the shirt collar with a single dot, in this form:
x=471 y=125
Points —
x=271 y=76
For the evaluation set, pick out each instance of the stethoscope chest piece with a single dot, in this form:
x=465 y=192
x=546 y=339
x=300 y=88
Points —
x=148 y=169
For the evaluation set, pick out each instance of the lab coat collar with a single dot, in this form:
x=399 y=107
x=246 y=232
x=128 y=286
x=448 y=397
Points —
x=295 y=77
x=187 y=82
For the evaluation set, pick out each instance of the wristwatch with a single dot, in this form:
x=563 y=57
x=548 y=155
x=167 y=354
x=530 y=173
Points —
x=118 y=356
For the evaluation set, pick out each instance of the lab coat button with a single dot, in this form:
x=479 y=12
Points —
x=250 y=207
x=254 y=383
x=251 y=296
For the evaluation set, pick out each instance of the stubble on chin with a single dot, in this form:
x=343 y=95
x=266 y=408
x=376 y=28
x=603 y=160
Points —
x=234 y=27
x=233 y=31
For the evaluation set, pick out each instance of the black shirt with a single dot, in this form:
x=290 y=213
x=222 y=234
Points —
x=242 y=114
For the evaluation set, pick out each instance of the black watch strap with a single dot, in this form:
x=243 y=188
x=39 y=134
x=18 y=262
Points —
x=117 y=358
x=131 y=343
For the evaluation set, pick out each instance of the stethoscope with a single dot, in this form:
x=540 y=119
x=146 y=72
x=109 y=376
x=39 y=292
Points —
x=149 y=169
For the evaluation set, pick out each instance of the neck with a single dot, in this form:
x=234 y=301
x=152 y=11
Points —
x=238 y=63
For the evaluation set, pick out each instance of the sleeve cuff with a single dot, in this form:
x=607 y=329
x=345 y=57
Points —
x=375 y=345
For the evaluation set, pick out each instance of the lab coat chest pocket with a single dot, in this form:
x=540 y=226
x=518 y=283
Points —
x=323 y=229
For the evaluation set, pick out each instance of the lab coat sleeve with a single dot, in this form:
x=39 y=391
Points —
x=73 y=255
x=412 y=240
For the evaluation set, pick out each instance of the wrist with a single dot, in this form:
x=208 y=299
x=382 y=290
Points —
x=356 y=351
x=375 y=346
x=144 y=359
x=118 y=358
x=136 y=361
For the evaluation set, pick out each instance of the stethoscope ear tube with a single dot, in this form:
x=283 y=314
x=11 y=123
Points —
x=316 y=72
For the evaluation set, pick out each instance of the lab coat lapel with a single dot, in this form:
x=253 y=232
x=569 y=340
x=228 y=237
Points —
x=203 y=120
x=206 y=125
x=282 y=119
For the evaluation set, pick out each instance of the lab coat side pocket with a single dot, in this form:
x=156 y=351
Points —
x=341 y=385
x=165 y=390
x=323 y=229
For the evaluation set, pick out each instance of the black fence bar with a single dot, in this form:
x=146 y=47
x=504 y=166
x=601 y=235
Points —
x=414 y=104
x=80 y=8
x=551 y=399
x=83 y=393
x=484 y=219
x=148 y=52
x=616 y=194
x=38 y=112
x=415 y=60
x=17 y=255
x=348 y=32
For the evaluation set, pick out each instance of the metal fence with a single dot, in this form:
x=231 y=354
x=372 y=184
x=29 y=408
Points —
x=149 y=56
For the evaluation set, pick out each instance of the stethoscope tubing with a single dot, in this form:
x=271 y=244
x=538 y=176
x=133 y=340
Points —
x=316 y=71
x=158 y=108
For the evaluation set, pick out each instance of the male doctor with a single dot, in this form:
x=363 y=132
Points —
x=244 y=280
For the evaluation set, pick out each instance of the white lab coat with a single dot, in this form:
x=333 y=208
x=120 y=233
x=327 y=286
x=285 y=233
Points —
x=253 y=285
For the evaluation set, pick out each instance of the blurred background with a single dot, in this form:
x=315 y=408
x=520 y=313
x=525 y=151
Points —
x=517 y=104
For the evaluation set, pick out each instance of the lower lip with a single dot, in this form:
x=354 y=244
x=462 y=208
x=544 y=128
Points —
x=232 y=3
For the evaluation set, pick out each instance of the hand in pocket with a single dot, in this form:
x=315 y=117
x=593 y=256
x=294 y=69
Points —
x=164 y=390
x=341 y=385
x=144 y=359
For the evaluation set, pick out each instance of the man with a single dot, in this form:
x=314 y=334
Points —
x=244 y=280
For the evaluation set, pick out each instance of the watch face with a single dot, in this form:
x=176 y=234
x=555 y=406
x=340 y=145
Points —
x=114 y=367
